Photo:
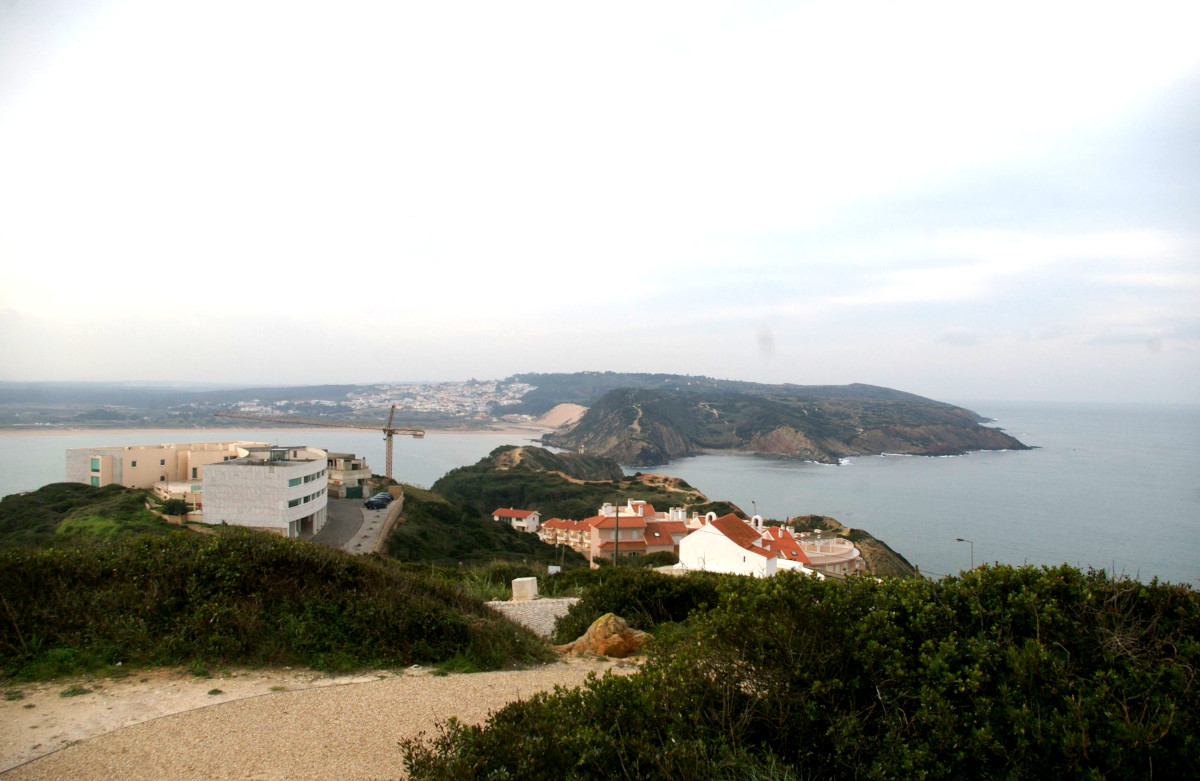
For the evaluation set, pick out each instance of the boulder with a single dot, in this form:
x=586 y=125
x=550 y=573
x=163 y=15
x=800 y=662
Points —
x=608 y=635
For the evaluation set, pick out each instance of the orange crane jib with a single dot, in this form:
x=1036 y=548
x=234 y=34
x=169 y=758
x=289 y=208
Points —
x=388 y=429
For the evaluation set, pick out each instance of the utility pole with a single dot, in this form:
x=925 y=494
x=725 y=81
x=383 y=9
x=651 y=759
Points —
x=617 y=538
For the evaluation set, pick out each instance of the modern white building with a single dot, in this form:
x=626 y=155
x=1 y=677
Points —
x=278 y=489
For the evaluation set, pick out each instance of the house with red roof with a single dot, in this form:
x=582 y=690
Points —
x=728 y=544
x=636 y=529
x=575 y=534
x=521 y=520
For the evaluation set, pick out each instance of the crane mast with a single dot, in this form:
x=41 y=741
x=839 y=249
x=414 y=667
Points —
x=388 y=429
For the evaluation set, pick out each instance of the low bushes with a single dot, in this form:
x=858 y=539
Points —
x=644 y=598
x=236 y=597
x=1006 y=672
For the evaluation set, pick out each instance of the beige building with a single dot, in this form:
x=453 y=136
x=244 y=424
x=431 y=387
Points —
x=347 y=475
x=278 y=489
x=171 y=471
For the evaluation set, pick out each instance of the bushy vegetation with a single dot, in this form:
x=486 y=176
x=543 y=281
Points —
x=1002 y=673
x=446 y=533
x=237 y=597
x=644 y=598
x=71 y=513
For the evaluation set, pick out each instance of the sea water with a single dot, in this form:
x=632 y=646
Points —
x=1112 y=487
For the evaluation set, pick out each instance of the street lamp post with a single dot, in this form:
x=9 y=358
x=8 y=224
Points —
x=960 y=539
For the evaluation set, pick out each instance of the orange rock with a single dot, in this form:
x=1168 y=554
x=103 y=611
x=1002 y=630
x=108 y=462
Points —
x=608 y=635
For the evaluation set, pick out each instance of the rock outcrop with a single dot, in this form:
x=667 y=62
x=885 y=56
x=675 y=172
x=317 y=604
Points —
x=608 y=635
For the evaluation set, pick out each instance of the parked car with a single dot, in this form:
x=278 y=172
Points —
x=384 y=497
x=375 y=504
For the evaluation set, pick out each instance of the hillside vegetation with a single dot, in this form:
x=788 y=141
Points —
x=1003 y=673
x=642 y=426
x=443 y=532
x=533 y=478
x=238 y=597
x=72 y=513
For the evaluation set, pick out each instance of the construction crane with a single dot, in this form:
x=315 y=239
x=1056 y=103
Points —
x=388 y=429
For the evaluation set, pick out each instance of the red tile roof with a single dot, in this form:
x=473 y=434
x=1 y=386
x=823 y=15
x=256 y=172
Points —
x=787 y=547
x=610 y=521
x=737 y=530
x=667 y=527
x=506 y=512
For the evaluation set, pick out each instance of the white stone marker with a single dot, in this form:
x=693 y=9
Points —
x=524 y=588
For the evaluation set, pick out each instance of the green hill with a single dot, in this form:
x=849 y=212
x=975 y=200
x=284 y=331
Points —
x=533 y=478
x=440 y=531
x=641 y=427
x=72 y=512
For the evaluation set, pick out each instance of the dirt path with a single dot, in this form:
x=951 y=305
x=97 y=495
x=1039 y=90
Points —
x=272 y=724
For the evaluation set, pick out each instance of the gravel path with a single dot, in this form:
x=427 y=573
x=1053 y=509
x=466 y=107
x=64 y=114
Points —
x=345 y=731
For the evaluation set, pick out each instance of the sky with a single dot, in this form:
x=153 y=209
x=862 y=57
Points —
x=965 y=200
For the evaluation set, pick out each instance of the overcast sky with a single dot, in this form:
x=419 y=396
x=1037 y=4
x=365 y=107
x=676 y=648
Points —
x=996 y=201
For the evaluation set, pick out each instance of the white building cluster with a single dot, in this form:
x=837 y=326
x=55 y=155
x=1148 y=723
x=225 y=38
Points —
x=713 y=544
x=273 y=488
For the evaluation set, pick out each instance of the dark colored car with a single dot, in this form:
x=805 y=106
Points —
x=375 y=504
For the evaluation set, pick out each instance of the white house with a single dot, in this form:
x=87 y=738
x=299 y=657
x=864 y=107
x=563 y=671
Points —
x=728 y=544
x=521 y=520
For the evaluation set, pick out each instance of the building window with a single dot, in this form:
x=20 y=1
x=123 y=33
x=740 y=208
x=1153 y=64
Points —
x=162 y=462
x=95 y=482
x=295 y=481
x=95 y=465
x=195 y=470
x=133 y=463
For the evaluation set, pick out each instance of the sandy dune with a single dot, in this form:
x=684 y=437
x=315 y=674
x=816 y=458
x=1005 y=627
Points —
x=562 y=415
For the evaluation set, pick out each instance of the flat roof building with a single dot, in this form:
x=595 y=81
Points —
x=254 y=484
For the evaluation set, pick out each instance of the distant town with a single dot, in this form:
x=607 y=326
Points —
x=471 y=403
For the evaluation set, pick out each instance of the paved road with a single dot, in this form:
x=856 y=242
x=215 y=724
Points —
x=350 y=526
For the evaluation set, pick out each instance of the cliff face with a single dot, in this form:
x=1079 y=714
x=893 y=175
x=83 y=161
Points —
x=640 y=427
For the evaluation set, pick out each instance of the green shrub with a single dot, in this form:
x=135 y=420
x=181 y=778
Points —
x=644 y=598
x=1006 y=672
x=237 y=597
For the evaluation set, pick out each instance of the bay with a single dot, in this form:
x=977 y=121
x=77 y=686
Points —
x=1109 y=486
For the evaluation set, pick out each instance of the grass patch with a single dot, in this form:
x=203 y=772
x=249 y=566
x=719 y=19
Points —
x=74 y=690
x=13 y=694
x=214 y=692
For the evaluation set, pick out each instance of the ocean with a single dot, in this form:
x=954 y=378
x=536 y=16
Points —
x=1108 y=486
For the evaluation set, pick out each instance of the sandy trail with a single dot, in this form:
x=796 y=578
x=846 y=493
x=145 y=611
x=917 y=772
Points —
x=271 y=724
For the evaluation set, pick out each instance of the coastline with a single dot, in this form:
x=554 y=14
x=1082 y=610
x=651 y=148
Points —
x=506 y=430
